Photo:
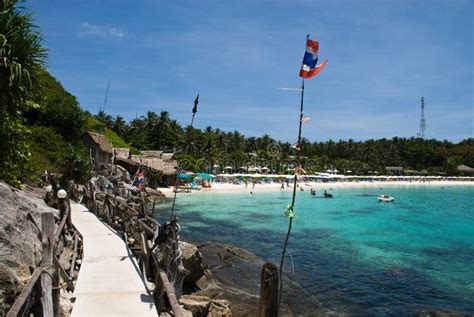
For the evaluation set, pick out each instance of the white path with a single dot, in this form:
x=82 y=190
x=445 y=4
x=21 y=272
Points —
x=109 y=284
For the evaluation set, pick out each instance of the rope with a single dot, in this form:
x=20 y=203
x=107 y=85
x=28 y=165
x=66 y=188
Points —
x=48 y=269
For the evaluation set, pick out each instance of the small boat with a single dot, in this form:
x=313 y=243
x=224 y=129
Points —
x=386 y=198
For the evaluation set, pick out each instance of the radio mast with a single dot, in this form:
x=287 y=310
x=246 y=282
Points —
x=421 y=134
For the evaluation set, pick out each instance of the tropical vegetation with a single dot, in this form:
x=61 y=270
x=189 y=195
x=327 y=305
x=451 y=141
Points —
x=42 y=125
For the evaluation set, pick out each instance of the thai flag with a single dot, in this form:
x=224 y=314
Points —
x=141 y=180
x=310 y=68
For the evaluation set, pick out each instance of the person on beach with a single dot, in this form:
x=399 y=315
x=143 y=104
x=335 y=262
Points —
x=282 y=186
x=253 y=184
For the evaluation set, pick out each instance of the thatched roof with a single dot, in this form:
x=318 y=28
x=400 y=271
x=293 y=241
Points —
x=152 y=153
x=101 y=140
x=121 y=152
x=164 y=166
x=465 y=168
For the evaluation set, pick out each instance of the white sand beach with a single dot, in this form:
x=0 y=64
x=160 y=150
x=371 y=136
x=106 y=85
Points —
x=241 y=188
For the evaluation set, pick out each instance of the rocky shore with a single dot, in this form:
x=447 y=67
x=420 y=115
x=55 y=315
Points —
x=223 y=281
x=20 y=242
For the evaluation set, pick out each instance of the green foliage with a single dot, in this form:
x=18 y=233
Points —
x=94 y=125
x=201 y=149
x=49 y=151
x=21 y=56
x=14 y=154
x=57 y=108
x=75 y=164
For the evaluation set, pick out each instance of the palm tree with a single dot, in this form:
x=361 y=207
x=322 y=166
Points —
x=21 y=55
x=105 y=118
x=21 y=58
x=119 y=126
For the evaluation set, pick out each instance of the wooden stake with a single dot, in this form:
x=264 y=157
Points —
x=269 y=290
x=47 y=241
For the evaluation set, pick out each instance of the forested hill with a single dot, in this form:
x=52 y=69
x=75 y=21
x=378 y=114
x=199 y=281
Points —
x=41 y=128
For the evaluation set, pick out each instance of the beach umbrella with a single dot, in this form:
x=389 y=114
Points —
x=184 y=176
x=205 y=175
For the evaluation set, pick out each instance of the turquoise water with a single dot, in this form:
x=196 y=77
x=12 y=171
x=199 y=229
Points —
x=353 y=254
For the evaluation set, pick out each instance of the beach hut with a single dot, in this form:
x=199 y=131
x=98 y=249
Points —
x=464 y=169
x=100 y=148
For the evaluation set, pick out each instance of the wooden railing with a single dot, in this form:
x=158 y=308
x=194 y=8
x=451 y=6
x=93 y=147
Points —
x=155 y=246
x=42 y=292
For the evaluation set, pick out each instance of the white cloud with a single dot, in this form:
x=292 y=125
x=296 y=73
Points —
x=88 y=29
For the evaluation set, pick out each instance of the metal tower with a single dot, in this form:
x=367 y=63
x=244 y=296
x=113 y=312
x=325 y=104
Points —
x=421 y=134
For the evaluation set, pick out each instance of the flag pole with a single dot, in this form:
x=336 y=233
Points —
x=290 y=209
x=178 y=171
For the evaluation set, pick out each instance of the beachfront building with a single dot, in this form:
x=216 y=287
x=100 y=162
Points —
x=100 y=149
x=394 y=170
x=160 y=167
x=465 y=170
x=121 y=152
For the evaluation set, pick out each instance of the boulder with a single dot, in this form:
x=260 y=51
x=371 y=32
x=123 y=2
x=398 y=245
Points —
x=197 y=305
x=20 y=246
x=153 y=195
x=219 y=308
x=192 y=261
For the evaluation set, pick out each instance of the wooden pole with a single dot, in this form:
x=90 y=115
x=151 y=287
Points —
x=298 y=168
x=269 y=290
x=47 y=241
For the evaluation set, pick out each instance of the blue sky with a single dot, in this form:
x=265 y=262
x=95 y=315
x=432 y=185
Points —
x=383 y=56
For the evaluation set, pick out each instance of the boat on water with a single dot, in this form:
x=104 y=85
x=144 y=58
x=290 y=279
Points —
x=386 y=198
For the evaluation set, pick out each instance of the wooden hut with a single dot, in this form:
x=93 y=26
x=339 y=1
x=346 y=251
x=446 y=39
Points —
x=100 y=149
x=159 y=167
x=464 y=169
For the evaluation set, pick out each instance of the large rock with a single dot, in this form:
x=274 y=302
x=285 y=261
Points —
x=219 y=308
x=20 y=246
x=192 y=261
x=154 y=195
x=197 y=305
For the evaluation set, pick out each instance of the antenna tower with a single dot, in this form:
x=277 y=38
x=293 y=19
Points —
x=421 y=134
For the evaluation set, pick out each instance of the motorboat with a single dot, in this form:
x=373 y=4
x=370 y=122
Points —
x=386 y=198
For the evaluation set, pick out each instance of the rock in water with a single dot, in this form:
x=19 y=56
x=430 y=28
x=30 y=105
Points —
x=20 y=247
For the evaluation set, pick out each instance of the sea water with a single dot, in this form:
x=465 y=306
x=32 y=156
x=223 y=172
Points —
x=353 y=254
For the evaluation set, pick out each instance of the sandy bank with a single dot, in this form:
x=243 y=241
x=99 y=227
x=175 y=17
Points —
x=231 y=188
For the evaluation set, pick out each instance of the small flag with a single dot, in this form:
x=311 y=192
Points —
x=304 y=120
x=196 y=101
x=310 y=68
x=141 y=180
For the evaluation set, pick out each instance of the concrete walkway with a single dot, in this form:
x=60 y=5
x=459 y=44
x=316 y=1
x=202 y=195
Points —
x=109 y=283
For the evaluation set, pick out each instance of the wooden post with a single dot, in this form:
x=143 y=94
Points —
x=69 y=216
x=269 y=291
x=47 y=241
x=56 y=289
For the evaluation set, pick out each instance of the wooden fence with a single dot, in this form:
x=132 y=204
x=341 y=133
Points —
x=155 y=246
x=41 y=294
